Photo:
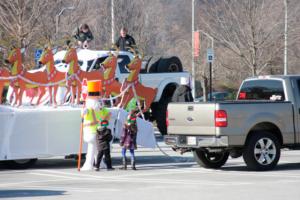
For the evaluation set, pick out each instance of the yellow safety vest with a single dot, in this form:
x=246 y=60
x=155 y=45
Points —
x=92 y=118
x=91 y=123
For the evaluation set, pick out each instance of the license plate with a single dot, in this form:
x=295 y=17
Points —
x=191 y=141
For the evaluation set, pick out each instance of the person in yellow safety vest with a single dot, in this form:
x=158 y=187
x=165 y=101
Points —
x=92 y=115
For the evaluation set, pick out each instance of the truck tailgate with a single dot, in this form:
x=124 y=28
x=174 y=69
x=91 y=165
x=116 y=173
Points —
x=191 y=118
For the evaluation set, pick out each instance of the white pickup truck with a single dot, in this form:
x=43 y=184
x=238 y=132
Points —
x=264 y=118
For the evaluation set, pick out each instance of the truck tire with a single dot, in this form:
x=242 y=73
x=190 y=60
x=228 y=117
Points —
x=171 y=64
x=161 y=115
x=20 y=164
x=262 y=151
x=152 y=66
x=213 y=160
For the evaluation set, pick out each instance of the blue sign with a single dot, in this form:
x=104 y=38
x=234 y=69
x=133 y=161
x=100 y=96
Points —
x=37 y=54
x=210 y=55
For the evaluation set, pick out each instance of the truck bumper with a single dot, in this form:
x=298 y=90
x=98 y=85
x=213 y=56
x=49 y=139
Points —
x=196 y=141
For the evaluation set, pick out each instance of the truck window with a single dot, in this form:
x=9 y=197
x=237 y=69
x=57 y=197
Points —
x=123 y=60
x=262 y=90
x=97 y=64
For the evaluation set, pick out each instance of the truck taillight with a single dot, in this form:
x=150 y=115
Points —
x=167 y=119
x=220 y=118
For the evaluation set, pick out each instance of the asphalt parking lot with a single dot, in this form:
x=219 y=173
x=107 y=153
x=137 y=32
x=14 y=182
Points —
x=158 y=177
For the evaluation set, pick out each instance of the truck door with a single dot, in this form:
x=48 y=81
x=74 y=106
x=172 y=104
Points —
x=296 y=88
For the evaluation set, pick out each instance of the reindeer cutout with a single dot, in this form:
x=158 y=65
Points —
x=4 y=73
x=110 y=85
x=53 y=75
x=77 y=74
x=143 y=93
x=28 y=79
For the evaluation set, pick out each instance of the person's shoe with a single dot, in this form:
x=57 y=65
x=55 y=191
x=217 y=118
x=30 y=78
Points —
x=86 y=169
x=124 y=167
x=110 y=169
x=133 y=165
x=97 y=169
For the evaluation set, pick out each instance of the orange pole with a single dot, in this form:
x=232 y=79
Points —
x=80 y=141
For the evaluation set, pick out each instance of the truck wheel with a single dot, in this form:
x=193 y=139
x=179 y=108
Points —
x=161 y=115
x=153 y=64
x=20 y=164
x=172 y=64
x=213 y=160
x=262 y=151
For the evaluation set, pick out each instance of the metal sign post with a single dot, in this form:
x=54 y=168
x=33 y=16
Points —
x=210 y=58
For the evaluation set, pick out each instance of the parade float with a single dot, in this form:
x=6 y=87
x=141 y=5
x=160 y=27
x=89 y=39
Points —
x=49 y=128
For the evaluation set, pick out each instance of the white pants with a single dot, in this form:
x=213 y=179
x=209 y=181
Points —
x=89 y=138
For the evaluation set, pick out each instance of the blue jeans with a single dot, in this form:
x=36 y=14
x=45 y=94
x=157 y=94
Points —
x=131 y=153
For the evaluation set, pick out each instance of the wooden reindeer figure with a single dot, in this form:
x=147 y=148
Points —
x=110 y=85
x=77 y=74
x=53 y=75
x=28 y=79
x=143 y=93
x=4 y=73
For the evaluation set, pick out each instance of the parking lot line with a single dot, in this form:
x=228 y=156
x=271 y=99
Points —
x=98 y=175
x=52 y=175
x=132 y=178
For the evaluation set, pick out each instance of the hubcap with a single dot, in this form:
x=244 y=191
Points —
x=265 y=151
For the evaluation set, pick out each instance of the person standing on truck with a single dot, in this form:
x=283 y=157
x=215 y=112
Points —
x=91 y=113
x=128 y=139
x=83 y=35
x=125 y=41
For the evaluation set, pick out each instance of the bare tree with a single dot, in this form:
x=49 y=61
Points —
x=19 y=18
x=252 y=30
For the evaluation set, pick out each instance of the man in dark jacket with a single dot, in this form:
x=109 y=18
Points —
x=103 y=139
x=83 y=35
x=125 y=40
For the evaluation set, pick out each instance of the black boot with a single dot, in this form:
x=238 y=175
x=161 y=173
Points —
x=109 y=165
x=133 y=164
x=108 y=162
x=124 y=164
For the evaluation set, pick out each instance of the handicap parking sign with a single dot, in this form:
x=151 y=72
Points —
x=210 y=55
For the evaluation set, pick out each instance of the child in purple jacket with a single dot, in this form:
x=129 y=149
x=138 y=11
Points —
x=128 y=139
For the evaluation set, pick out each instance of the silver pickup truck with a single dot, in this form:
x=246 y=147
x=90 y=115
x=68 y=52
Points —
x=263 y=119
